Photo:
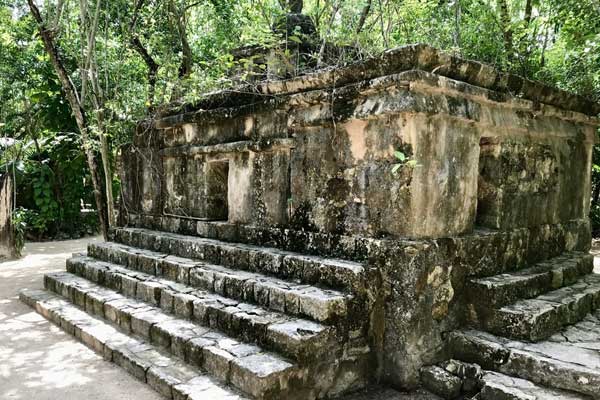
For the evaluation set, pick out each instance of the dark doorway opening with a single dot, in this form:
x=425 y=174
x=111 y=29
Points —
x=217 y=176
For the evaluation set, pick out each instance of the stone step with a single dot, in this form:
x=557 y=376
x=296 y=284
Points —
x=500 y=290
x=452 y=379
x=551 y=364
x=168 y=375
x=313 y=270
x=386 y=393
x=269 y=292
x=440 y=382
x=260 y=374
x=296 y=338
x=248 y=367
x=498 y=386
x=539 y=318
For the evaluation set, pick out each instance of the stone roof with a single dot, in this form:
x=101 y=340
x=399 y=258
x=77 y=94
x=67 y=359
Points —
x=411 y=57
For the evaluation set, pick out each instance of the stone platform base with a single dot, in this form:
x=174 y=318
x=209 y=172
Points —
x=261 y=322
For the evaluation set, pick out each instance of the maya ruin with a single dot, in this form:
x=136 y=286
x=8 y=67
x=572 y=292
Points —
x=415 y=220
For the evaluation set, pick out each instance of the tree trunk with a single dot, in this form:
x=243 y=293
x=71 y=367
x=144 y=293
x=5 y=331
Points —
x=363 y=16
x=382 y=23
x=336 y=7
x=105 y=155
x=178 y=19
x=8 y=248
x=544 y=47
x=78 y=113
x=528 y=12
x=506 y=28
x=457 y=17
x=90 y=74
x=98 y=101
x=152 y=69
x=151 y=64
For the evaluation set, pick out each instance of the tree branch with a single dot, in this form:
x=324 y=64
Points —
x=506 y=28
x=528 y=12
x=77 y=110
x=363 y=16
x=185 y=69
x=137 y=46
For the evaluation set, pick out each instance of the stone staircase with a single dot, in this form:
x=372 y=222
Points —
x=533 y=303
x=538 y=330
x=455 y=379
x=189 y=314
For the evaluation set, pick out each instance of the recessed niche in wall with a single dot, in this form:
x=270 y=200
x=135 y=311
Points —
x=217 y=173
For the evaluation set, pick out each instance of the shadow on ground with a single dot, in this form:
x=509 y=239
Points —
x=39 y=361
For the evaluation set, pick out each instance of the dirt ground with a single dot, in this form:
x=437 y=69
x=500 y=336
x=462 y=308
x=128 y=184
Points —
x=38 y=361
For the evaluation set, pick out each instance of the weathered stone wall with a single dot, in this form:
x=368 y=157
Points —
x=493 y=182
x=423 y=288
x=322 y=160
x=341 y=166
x=527 y=181
x=7 y=239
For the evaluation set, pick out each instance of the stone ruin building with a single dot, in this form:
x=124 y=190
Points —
x=269 y=251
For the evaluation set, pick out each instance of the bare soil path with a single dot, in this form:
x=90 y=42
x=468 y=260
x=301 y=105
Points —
x=38 y=361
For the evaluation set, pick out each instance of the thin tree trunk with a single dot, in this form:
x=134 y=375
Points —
x=336 y=6
x=363 y=16
x=105 y=154
x=78 y=112
x=383 y=30
x=151 y=64
x=97 y=97
x=98 y=102
x=506 y=29
x=152 y=69
x=528 y=12
x=457 y=16
x=544 y=47
x=185 y=69
x=177 y=17
x=318 y=15
x=88 y=37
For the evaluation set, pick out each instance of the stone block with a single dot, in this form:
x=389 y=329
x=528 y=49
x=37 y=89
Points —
x=202 y=278
x=142 y=321
x=149 y=292
x=259 y=373
x=195 y=350
x=439 y=381
x=183 y=305
x=217 y=362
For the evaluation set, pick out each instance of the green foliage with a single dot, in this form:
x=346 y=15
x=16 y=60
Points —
x=558 y=44
x=52 y=186
x=403 y=159
x=43 y=197
x=20 y=228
